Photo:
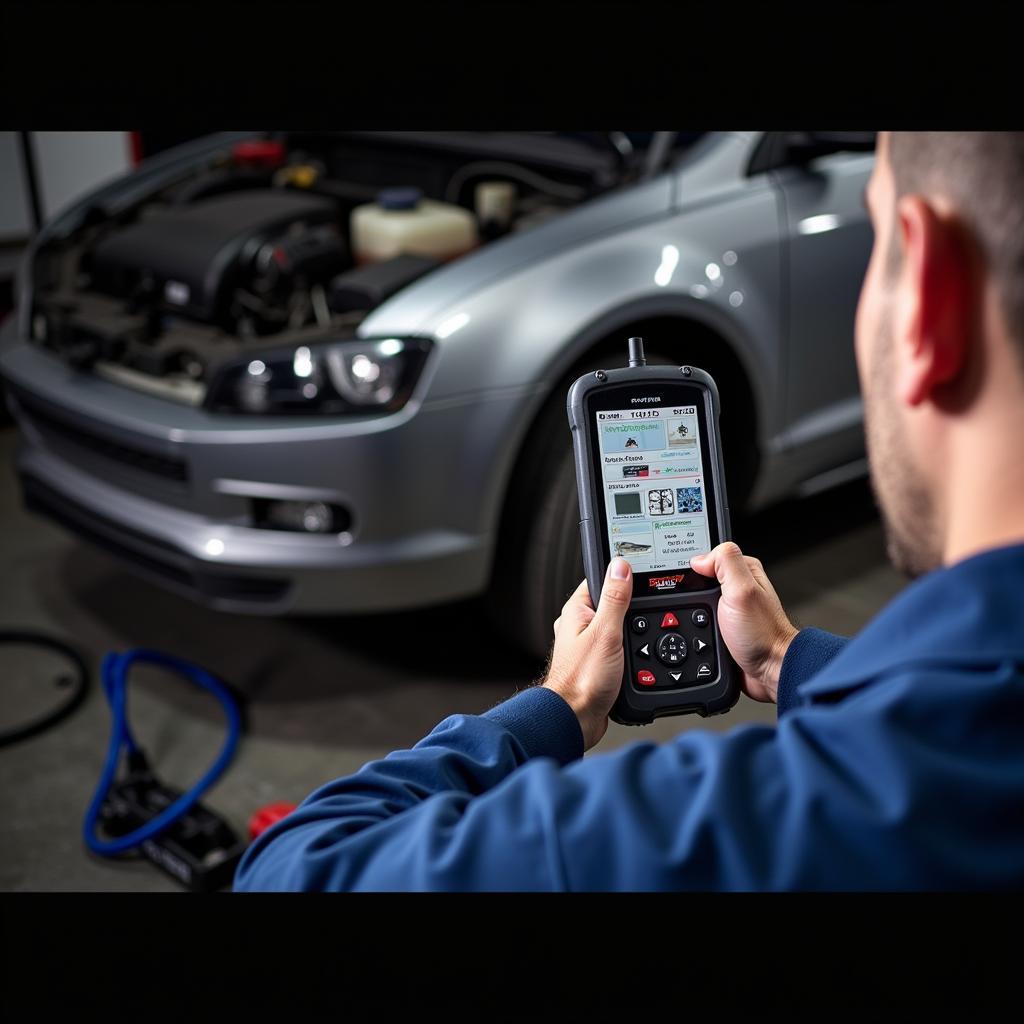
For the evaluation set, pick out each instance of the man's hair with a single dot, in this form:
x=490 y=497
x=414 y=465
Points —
x=982 y=173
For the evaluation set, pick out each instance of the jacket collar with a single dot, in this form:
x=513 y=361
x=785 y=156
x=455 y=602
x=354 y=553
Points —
x=969 y=613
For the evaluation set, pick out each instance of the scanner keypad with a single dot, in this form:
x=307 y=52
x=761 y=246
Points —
x=676 y=647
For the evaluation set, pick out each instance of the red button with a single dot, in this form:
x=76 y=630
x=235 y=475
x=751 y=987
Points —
x=645 y=678
x=669 y=621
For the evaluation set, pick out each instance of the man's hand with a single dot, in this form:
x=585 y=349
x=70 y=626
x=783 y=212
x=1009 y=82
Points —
x=750 y=616
x=587 y=661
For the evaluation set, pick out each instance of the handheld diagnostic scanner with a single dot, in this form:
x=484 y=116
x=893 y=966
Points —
x=651 y=487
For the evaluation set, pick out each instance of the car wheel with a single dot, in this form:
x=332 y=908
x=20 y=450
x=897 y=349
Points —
x=539 y=558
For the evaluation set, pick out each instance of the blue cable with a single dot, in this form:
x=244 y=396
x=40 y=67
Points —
x=114 y=674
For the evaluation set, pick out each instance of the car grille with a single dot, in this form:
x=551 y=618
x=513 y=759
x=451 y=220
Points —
x=175 y=470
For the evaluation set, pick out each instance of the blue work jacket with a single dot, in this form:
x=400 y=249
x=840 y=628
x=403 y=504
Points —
x=897 y=763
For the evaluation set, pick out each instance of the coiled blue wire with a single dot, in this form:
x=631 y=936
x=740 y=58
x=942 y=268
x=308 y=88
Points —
x=114 y=675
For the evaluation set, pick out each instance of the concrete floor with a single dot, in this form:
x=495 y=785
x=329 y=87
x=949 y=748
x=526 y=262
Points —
x=325 y=695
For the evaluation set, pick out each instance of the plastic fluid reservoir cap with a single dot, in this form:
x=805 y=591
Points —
x=267 y=816
x=399 y=198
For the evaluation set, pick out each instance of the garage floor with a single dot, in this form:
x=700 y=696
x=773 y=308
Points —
x=324 y=695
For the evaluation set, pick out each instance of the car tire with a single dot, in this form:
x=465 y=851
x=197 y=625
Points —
x=539 y=560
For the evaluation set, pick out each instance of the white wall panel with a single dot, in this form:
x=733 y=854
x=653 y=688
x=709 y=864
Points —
x=69 y=163
x=15 y=208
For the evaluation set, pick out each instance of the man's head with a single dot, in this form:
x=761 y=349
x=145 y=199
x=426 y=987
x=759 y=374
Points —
x=942 y=304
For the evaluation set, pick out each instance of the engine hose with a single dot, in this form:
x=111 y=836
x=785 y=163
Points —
x=114 y=675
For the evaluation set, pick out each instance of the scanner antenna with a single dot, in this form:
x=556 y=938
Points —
x=636 y=352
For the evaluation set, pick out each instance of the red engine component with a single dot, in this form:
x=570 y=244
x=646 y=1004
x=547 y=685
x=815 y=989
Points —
x=259 y=153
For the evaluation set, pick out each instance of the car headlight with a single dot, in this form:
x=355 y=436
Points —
x=329 y=378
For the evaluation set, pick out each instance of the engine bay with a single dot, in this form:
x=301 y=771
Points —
x=288 y=238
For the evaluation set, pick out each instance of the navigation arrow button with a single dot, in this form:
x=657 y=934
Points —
x=676 y=675
x=699 y=644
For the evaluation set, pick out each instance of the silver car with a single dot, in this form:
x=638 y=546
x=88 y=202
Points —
x=208 y=386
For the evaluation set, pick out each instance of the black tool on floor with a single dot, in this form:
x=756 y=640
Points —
x=200 y=849
x=181 y=836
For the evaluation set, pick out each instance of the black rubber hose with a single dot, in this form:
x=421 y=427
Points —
x=79 y=685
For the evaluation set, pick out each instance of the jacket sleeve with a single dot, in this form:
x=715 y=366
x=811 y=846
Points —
x=811 y=650
x=502 y=801
x=403 y=822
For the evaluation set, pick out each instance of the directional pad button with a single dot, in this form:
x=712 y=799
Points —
x=671 y=649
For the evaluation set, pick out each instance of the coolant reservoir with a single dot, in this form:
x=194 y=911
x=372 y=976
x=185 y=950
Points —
x=402 y=221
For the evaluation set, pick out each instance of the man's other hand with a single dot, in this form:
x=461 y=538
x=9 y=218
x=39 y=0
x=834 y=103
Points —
x=750 y=615
x=587 y=660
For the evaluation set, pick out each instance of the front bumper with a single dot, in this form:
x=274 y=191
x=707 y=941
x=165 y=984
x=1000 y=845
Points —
x=170 y=491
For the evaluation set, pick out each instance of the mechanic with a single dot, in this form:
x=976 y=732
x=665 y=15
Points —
x=898 y=760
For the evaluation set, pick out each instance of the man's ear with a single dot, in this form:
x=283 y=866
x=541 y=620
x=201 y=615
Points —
x=934 y=326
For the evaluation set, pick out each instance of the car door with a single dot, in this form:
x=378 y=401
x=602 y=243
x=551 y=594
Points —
x=827 y=239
